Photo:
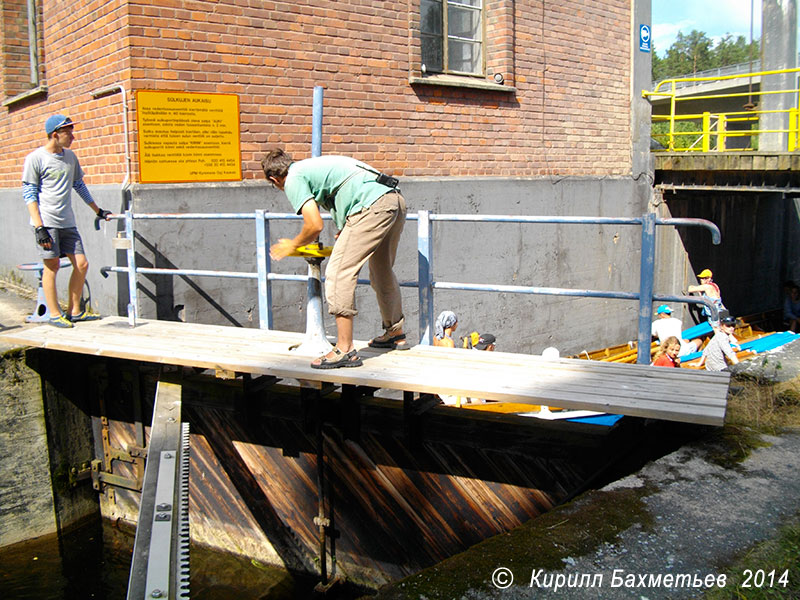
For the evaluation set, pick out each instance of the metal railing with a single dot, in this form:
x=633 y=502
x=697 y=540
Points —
x=425 y=283
x=711 y=131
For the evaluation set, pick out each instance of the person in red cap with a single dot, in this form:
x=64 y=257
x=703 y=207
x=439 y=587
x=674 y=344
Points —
x=48 y=178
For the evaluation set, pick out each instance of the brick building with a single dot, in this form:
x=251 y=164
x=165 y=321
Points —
x=562 y=109
x=526 y=107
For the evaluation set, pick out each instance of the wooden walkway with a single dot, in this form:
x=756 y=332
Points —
x=636 y=390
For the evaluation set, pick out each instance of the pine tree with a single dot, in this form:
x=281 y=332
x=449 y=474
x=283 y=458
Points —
x=697 y=52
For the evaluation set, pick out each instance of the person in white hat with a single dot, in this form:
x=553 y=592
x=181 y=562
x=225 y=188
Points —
x=48 y=178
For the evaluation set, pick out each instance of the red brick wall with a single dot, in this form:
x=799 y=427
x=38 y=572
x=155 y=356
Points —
x=568 y=60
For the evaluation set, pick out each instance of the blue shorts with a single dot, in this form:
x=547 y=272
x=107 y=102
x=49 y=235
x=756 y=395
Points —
x=65 y=241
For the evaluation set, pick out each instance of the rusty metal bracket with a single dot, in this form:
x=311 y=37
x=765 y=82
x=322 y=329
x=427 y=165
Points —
x=102 y=477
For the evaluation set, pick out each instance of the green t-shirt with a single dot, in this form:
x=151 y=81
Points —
x=336 y=183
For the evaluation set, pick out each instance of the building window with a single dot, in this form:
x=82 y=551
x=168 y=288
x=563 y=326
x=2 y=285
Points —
x=20 y=43
x=452 y=36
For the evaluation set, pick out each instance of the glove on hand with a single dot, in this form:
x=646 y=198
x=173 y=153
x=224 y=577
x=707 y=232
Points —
x=43 y=237
x=103 y=214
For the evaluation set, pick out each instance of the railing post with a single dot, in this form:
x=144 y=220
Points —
x=706 y=132
x=721 y=133
x=672 y=120
x=316 y=121
x=425 y=261
x=133 y=289
x=792 y=129
x=646 y=288
x=263 y=260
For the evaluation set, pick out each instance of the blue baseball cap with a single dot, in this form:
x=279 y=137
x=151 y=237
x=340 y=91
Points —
x=56 y=122
x=663 y=309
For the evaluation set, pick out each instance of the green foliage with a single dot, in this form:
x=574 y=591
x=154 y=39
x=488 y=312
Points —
x=660 y=133
x=695 y=52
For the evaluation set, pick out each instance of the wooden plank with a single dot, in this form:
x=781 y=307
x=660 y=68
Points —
x=637 y=390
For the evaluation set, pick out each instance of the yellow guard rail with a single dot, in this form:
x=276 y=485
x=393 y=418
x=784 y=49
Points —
x=710 y=131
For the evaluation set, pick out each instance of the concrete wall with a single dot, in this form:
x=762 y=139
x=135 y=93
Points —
x=26 y=497
x=44 y=433
x=567 y=256
x=778 y=51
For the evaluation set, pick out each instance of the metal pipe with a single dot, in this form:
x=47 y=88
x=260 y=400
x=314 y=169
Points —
x=538 y=291
x=716 y=236
x=133 y=289
x=425 y=283
x=647 y=266
x=264 y=267
x=535 y=219
x=321 y=521
x=206 y=273
x=316 y=122
x=106 y=92
x=425 y=277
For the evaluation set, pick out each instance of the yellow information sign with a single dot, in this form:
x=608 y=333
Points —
x=187 y=137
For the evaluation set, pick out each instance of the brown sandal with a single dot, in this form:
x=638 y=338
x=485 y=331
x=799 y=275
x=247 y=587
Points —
x=342 y=359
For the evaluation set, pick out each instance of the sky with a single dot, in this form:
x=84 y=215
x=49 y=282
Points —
x=714 y=17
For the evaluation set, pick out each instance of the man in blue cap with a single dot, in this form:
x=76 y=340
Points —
x=48 y=178
x=666 y=326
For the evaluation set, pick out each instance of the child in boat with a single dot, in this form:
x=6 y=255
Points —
x=667 y=353
x=719 y=348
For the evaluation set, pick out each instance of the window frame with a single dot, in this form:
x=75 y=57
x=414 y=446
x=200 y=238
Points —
x=33 y=10
x=444 y=37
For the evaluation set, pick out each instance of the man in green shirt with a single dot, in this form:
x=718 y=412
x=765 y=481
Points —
x=369 y=217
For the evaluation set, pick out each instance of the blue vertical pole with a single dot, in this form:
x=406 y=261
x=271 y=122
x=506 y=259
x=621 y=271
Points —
x=646 y=287
x=425 y=261
x=133 y=290
x=263 y=260
x=316 y=122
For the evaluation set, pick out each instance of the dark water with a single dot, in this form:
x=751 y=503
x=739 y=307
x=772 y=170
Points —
x=93 y=561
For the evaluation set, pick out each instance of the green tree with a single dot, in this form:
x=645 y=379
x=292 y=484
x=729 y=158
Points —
x=729 y=51
x=696 y=52
x=657 y=67
x=689 y=53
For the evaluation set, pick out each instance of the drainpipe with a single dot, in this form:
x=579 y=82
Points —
x=107 y=92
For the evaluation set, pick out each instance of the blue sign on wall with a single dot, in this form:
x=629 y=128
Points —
x=644 y=38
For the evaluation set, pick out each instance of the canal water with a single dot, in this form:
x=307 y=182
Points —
x=93 y=561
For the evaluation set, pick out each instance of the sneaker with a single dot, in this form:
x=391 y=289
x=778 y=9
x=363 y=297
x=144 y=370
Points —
x=60 y=321
x=83 y=316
